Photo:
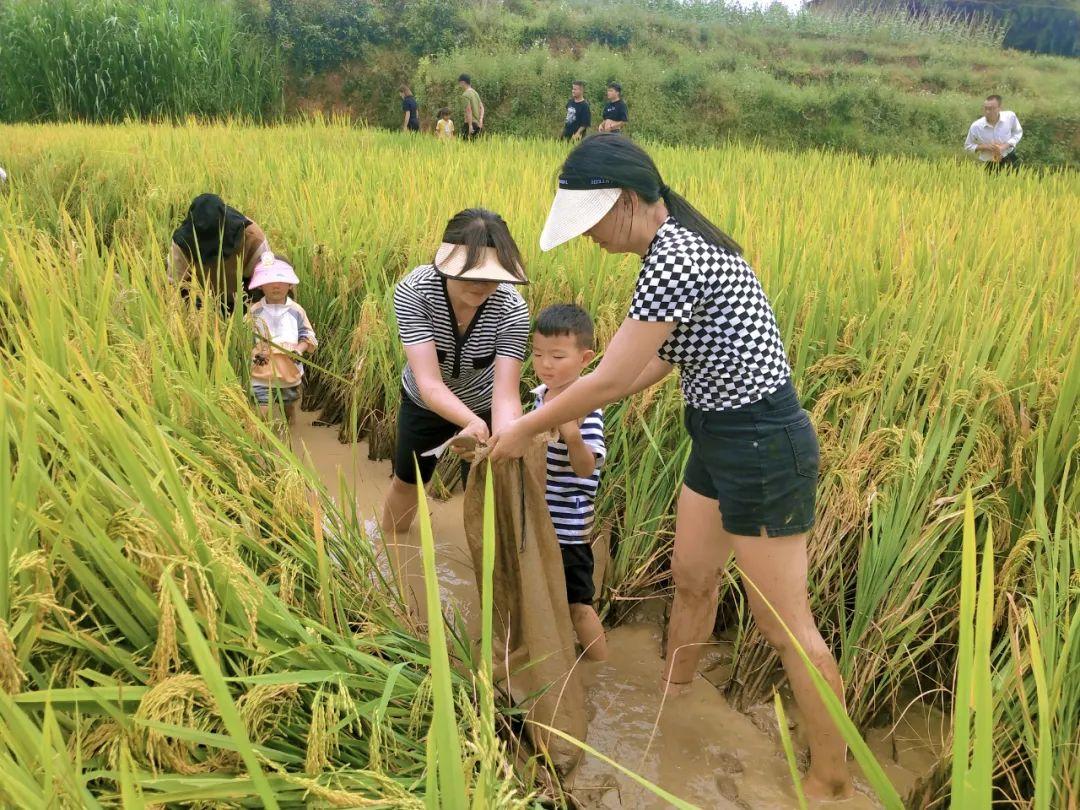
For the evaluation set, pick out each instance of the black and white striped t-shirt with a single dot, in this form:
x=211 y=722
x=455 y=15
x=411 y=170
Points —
x=726 y=342
x=571 y=500
x=467 y=361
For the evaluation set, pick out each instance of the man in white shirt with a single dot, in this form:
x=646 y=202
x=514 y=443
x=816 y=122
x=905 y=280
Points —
x=993 y=138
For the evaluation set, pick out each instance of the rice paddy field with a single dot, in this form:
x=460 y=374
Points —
x=188 y=617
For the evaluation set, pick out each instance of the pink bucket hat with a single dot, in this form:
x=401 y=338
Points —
x=271 y=270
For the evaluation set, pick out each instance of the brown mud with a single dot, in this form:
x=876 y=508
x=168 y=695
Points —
x=696 y=746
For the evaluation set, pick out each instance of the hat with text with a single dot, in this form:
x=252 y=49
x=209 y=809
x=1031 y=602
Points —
x=579 y=204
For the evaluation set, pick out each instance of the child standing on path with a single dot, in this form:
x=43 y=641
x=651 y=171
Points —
x=444 y=127
x=562 y=348
x=281 y=326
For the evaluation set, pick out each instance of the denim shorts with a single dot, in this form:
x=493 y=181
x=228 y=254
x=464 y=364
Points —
x=285 y=396
x=759 y=462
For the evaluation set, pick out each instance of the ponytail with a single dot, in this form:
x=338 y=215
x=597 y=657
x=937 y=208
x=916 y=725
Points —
x=625 y=164
x=693 y=220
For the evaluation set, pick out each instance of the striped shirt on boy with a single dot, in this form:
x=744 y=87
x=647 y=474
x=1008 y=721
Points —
x=570 y=499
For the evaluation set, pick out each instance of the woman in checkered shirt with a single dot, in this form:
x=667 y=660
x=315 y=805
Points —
x=749 y=487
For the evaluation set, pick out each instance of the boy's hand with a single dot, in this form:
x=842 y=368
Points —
x=570 y=432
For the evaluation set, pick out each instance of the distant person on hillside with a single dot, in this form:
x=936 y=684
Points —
x=993 y=138
x=411 y=120
x=474 y=108
x=615 y=113
x=578 y=114
x=219 y=245
x=444 y=127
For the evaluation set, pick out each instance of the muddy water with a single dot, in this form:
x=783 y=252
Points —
x=695 y=746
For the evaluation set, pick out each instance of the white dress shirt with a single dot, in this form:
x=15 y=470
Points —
x=1006 y=130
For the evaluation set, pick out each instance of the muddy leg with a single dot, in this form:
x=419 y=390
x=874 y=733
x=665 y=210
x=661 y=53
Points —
x=589 y=631
x=775 y=570
x=701 y=552
x=399 y=508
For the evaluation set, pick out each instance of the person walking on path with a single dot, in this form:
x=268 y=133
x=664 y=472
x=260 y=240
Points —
x=474 y=108
x=616 y=115
x=751 y=479
x=218 y=245
x=993 y=138
x=411 y=120
x=465 y=329
x=578 y=114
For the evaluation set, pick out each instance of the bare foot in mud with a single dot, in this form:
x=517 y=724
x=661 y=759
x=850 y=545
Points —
x=818 y=790
x=674 y=690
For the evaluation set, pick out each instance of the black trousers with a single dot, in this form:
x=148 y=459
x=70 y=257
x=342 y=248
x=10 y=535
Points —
x=1010 y=162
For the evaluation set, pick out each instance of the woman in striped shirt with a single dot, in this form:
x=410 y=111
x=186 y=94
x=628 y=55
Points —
x=465 y=329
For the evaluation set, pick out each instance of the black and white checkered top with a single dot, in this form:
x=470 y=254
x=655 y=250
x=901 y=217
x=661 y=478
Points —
x=726 y=342
x=500 y=328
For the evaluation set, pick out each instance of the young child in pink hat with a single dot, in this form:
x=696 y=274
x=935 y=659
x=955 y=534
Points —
x=282 y=328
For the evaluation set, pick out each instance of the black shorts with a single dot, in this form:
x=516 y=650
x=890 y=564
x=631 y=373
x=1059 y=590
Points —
x=420 y=430
x=760 y=462
x=577 y=563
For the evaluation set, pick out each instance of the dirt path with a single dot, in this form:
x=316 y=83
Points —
x=696 y=746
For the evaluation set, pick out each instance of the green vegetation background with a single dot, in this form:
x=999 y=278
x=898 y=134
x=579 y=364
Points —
x=879 y=82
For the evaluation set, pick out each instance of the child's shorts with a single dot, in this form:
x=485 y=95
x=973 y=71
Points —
x=577 y=562
x=284 y=396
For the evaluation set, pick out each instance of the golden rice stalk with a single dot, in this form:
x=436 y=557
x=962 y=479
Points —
x=11 y=674
x=267 y=707
x=166 y=656
x=185 y=701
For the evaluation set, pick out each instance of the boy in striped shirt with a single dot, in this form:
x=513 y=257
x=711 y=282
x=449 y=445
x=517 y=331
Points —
x=562 y=348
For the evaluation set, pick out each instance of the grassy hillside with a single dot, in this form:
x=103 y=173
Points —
x=702 y=73
x=694 y=72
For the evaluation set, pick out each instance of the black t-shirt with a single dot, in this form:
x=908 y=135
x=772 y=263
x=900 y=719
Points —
x=578 y=115
x=616 y=111
x=409 y=104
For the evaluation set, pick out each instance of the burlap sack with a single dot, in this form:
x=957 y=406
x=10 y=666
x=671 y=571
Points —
x=534 y=639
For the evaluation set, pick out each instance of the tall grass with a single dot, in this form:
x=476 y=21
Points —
x=936 y=347
x=109 y=60
x=185 y=616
